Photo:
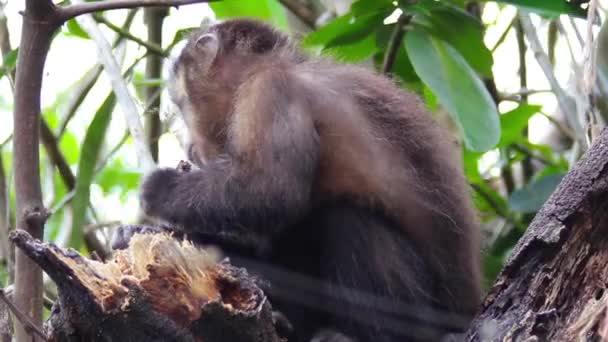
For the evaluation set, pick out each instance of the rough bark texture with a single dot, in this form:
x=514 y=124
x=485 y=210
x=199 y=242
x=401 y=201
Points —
x=553 y=287
x=158 y=289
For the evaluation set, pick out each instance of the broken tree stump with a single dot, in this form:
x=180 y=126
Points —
x=157 y=289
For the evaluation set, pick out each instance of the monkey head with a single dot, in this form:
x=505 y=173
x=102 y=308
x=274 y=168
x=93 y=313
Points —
x=205 y=77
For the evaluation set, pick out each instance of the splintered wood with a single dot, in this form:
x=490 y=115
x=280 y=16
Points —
x=159 y=288
x=177 y=276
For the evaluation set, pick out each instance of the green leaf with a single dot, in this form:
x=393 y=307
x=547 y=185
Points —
x=488 y=200
x=492 y=265
x=74 y=29
x=355 y=52
x=402 y=66
x=467 y=39
x=183 y=34
x=91 y=147
x=457 y=87
x=548 y=8
x=531 y=198
x=364 y=7
x=10 y=61
x=357 y=29
x=115 y=176
x=514 y=122
x=69 y=147
x=471 y=167
x=270 y=11
x=343 y=30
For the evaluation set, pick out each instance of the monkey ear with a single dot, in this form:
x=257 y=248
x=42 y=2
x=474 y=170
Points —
x=207 y=43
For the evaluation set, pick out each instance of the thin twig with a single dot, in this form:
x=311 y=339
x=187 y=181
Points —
x=566 y=104
x=52 y=149
x=577 y=33
x=151 y=47
x=395 y=43
x=303 y=12
x=503 y=36
x=78 y=8
x=22 y=317
x=563 y=129
x=564 y=34
x=522 y=94
x=524 y=150
x=6 y=141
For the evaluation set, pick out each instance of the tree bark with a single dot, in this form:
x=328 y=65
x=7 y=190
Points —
x=553 y=287
x=36 y=37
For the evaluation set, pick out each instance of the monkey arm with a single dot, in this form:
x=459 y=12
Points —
x=261 y=185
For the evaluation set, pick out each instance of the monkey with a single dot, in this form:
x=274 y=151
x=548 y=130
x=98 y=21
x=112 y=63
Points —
x=326 y=178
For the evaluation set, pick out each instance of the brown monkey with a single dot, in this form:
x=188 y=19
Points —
x=336 y=182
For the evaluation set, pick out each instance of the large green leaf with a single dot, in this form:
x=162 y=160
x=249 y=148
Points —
x=270 y=11
x=514 y=122
x=548 y=8
x=467 y=38
x=347 y=38
x=531 y=198
x=457 y=87
x=354 y=52
x=91 y=147
x=364 y=7
x=346 y=29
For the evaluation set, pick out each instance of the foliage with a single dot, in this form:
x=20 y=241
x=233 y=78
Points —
x=442 y=55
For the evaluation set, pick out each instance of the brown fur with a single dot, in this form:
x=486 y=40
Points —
x=274 y=115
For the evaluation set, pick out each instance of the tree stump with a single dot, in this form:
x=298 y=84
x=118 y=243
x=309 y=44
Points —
x=157 y=289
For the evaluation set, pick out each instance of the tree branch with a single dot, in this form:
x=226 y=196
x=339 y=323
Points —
x=303 y=12
x=79 y=8
x=154 y=18
x=22 y=317
x=37 y=32
x=150 y=46
x=52 y=149
x=395 y=43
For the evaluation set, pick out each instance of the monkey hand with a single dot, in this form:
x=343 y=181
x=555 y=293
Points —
x=184 y=166
x=123 y=234
x=156 y=194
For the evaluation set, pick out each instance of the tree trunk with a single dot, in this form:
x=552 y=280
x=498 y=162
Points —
x=553 y=285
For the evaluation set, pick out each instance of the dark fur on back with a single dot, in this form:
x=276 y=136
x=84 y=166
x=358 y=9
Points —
x=327 y=180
